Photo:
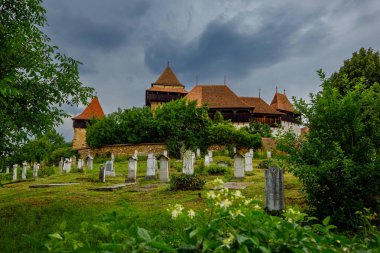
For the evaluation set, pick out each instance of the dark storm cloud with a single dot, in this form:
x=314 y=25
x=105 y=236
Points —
x=223 y=48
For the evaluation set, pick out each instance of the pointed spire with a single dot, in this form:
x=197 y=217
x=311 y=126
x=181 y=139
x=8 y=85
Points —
x=93 y=110
x=276 y=89
x=284 y=92
x=259 y=93
x=168 y=78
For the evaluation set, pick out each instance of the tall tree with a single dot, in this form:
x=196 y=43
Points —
x=364 y=64
x=35 y=79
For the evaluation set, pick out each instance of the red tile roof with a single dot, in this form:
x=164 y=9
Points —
x=260 y=106
x=216 y=96
x=168 y=78
x=168 y=89
x=282 y=103
x=93 y=110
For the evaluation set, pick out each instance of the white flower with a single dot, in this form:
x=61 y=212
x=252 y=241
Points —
x=218 y=183
x=178 y=207
x=175 y=214
x=225 y=203
x=238 y=195
x=236 y=213
x=228 y=241
x=257 y=207
x=247 y=202
x=211 y=195
x=191 y=213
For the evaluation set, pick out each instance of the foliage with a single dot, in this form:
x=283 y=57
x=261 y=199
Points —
x=364 y=66
x=35 y=79
x=258 y=128
x=338 y=161
x=230 y=223
x=186 y=182
x=217 y=170
x=218 y=117
x=264 y=164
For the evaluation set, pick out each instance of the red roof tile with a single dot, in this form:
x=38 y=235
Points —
x=93 y=110
x=260 y=106
x=282 y=103
x=168 y=78
x=168 y=89
x=216 y=96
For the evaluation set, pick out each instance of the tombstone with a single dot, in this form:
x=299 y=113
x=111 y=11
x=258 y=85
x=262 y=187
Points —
x=269 y=154
x=67 y=165
x=90 y=162
x=80 y=164
x=102 y=174
x=188 y=162
x=112 y=157
x=60 y=165
x=7 y=170
x=210 y=156
x=73 y=162
x=234 y=150
x=109 y=169
x=238 y=165
x=251 y=151
x=164 y=168
x=36 y=167
x=207 y=160
x=132 y=170
x=23 y=174
x=14 y=178
x=274 y=189
x=198 y=152
x=151 y=167
x=248 y=162
x=136 y=154
x=165 y=153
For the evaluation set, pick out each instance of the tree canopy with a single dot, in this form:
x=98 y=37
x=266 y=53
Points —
x=35 y=78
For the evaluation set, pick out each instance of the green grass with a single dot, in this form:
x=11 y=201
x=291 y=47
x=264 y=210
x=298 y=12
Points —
x=32 y=213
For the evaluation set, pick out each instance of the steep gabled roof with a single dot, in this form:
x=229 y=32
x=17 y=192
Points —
x=282 y=103
x=260 y=106
x=93 y=110
x=168 y=89
x=216 y=96
x=168 y=78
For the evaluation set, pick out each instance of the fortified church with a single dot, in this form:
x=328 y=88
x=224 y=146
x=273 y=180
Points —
x=240 y=110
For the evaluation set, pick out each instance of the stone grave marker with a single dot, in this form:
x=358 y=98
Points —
x=274 y=189
x=234 y=150
x=165 y=153
x=36 y=167
x=67 y=165
x=251 y=151
x=188 y=163
x=14 y=178
x=73 y=162
x=102 y=174
x=207 y=160
x=151 y=167
x=60 y=165
x=164 y=168
x=132 y=170
x=112 y=157
x=7 y=170
x=248 y=162
x=269 y=154
x=90 y=162
x=80 y=164
x=198 y=152
x=23 y=174
x=210 y=156
x=136 y=154
x=109 y=169
x=238 y=165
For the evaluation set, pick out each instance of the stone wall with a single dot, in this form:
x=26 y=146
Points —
x=79 y=141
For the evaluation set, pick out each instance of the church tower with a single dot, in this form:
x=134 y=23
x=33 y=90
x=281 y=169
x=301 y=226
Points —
x=93 y=110
x=166 y=88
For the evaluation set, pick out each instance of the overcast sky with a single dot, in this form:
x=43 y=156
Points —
x=124 y=45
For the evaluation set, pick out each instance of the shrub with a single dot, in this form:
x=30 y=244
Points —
x=186 y=182
x=217 y=170
x=264 y=164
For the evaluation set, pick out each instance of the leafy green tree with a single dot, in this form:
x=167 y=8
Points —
x=338 y=162
x=364 y=66
x=104 y=131
x=258 y=128
x=218 y=117
x=35 y=79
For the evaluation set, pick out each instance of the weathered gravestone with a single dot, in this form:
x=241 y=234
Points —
x=112 y=157
x=198 y=152
x=73 y=162
x=238 y=165
x=67 y=165
x=269 y=154
x=248 y=162
x=102 y=174
x=136 y=154
x=36 y=167
x=109 y=169
x=23 y=174
x=14 y=178
x=80 y=164
x=234 y=150
x=165 y=153
x=60 y=165
x=151 y=167
x=207 y=160
x=7 y=170
x=90 y=162
x=274 y=189
x=132 y=169
x=188 y=163
x=164 y=168
x=210 y=156
x=251 y=152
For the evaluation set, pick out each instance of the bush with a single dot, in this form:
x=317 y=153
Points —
x=186 y=182
x=217 y=170
x=264 y=164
